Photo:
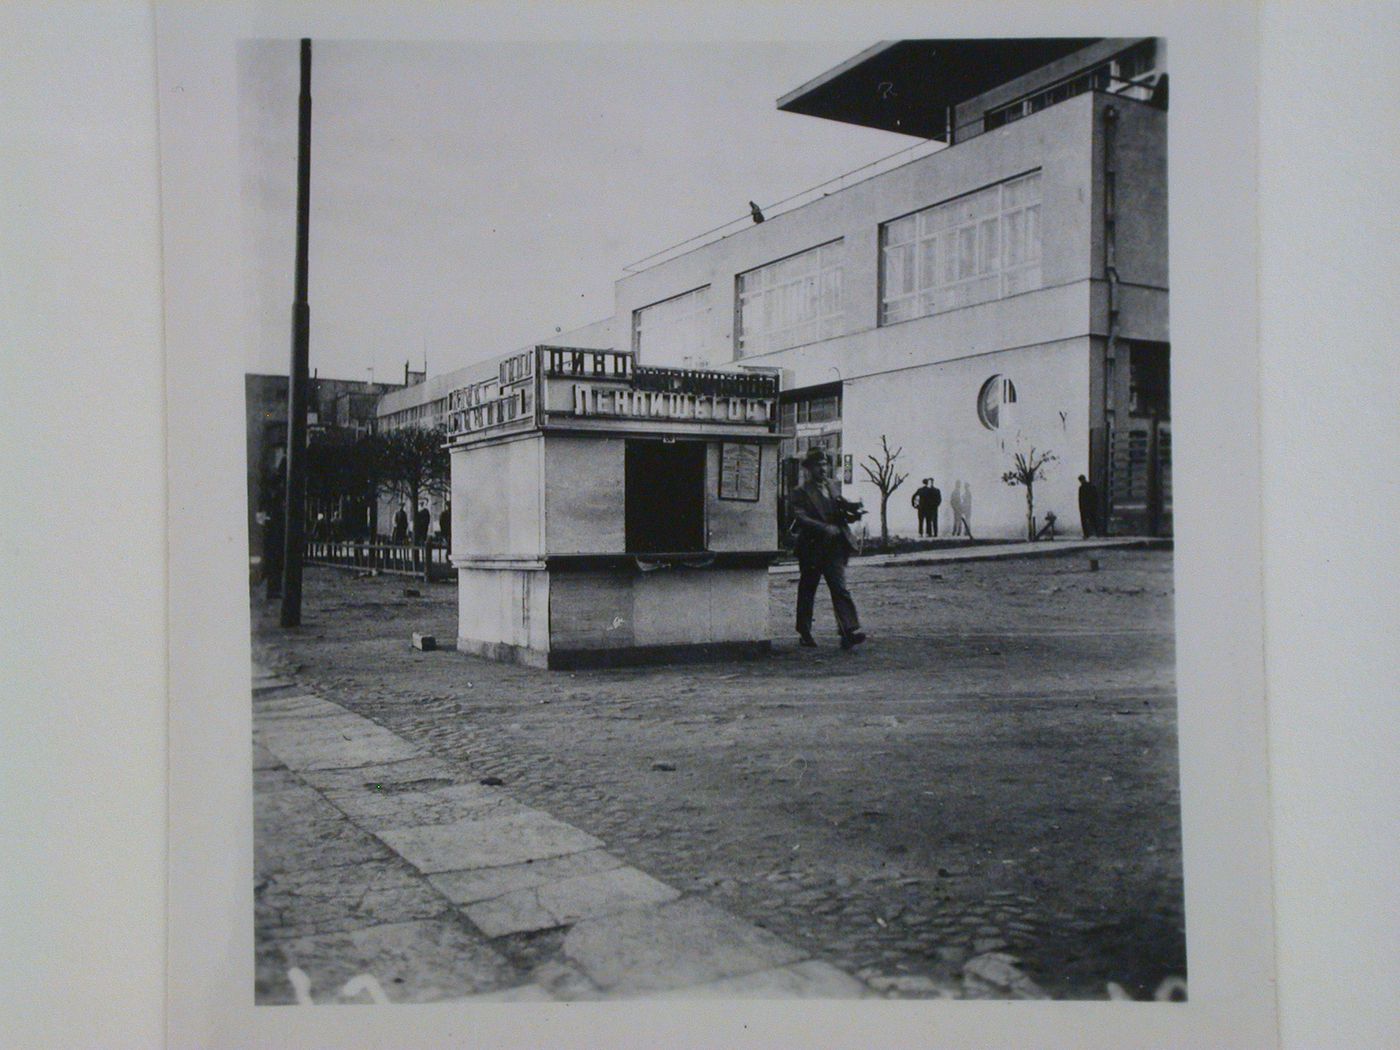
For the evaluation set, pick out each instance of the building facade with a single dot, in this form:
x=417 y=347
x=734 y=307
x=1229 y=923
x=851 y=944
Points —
x=1006 y=292
x=1003 y=293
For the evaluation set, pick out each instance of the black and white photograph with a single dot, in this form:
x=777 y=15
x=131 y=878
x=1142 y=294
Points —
x=720 y=525
x=548 y=700
x=708 y=514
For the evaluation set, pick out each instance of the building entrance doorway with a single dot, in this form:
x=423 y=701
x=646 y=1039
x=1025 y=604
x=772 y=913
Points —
x=1140 y=445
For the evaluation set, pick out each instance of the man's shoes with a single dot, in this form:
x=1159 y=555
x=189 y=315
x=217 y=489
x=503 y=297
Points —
x=850 y=641
x=805 y=639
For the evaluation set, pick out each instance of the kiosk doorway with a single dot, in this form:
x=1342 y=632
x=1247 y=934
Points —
x=665 y=496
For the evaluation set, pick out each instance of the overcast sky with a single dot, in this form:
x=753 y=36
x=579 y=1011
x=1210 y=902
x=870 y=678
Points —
x=471 y=199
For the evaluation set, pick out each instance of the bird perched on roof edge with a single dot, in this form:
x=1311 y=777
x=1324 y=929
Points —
x=756 y=212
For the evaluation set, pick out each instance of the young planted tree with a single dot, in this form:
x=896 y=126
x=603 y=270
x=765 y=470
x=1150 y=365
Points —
x=1028 y=468
x=882 y=474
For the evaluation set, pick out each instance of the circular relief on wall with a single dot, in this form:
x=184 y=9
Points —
x=996 y=392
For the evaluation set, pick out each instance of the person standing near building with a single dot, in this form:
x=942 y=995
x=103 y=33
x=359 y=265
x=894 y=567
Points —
x=824 y=543
x=955 y=505
x=1088 y=508
x=445 y=525
x=400 y=534
x=926 y=500
x=422 y=523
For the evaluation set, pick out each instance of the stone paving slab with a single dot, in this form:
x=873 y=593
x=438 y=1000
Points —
x=294 y=705
x=567 y=901
x=812 y=979
x=487 y=843
x=297 y=830
x=294 y=726
x=272 y=732
x=330 y=742
x=414 y=962
x=385 y=810
x=418 y=773
x=299 y=903
x=687 y=942
x=468 y=887
x=276 y=778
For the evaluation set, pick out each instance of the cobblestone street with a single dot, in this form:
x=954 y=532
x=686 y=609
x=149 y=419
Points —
x=993 y=776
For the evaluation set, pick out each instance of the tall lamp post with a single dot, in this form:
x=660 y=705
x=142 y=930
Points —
x=295 y=529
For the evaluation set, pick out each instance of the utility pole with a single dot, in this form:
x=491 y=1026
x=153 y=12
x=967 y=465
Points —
x=295 y=529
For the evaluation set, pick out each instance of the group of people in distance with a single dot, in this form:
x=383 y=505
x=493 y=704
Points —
x=422 y=525
x=821 y=529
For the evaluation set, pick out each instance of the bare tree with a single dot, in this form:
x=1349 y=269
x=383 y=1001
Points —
x=1029 y=468
x=886 y=479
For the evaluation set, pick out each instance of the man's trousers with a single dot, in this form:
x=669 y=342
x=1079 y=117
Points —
x=834 y=569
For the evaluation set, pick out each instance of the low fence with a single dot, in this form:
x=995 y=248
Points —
x=430 y=563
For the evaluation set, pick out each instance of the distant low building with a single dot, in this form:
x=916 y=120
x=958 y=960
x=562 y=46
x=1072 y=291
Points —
x=425 y=404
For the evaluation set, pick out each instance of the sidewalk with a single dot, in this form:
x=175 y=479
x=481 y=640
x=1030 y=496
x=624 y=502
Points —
x=997 y=552
x=384 y=874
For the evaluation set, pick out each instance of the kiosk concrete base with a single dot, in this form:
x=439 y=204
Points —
x=610 y=611
x=584 y=659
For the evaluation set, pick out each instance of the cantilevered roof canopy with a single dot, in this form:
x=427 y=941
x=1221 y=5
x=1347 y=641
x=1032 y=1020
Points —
x=908 y=85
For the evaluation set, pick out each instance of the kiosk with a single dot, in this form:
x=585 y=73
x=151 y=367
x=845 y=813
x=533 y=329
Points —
x=606 y=513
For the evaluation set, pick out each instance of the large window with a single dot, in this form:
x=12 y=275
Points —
x=675 y=331
x=979 y=247
x=788 y=303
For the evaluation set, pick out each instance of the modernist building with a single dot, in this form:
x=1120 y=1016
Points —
x=1006 y=291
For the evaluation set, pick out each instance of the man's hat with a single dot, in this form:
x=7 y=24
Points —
x=814 y=455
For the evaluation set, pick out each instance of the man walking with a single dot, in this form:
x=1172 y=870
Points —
x=926 y=500
x=1088 y=507
x=824 y=544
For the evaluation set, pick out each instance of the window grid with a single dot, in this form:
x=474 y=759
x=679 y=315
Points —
x=810 y=410
x=1138 y=61
x=979 y=247
x=790 y=302
x=675 y=330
